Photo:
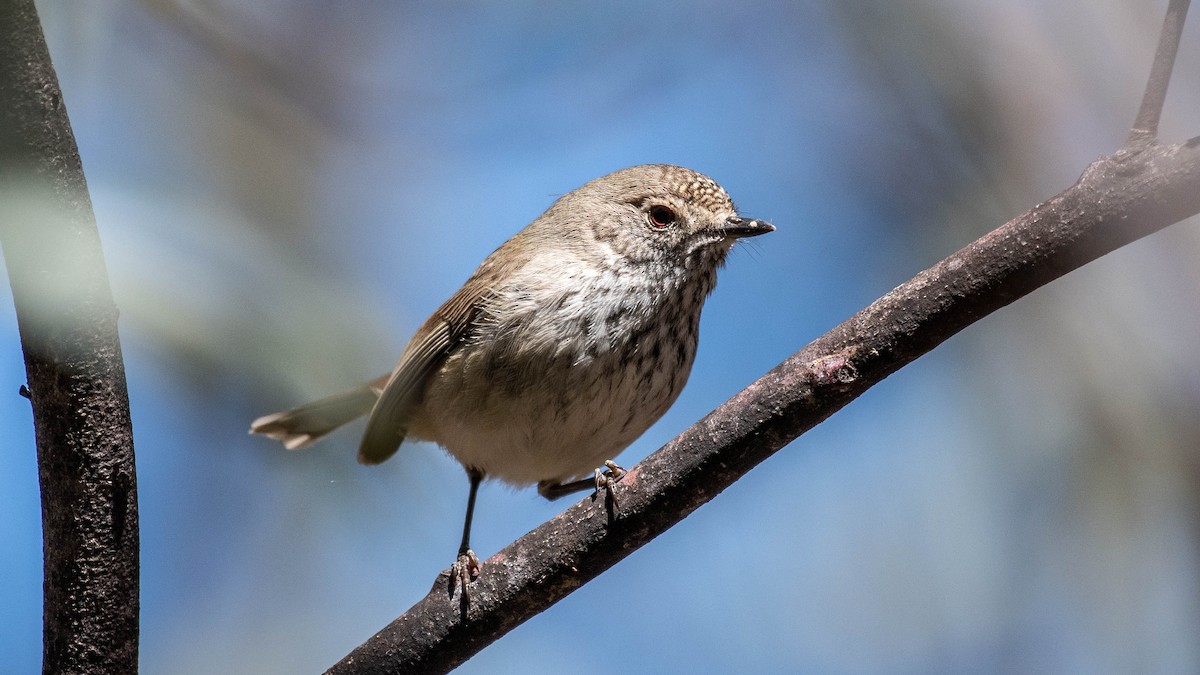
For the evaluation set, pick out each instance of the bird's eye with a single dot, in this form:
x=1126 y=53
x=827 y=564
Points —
x=661 y=217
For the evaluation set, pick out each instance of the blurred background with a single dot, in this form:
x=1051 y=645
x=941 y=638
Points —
x=285 y=190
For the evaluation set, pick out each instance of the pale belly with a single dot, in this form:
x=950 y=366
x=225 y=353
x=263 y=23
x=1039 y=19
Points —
x=564 y=368
x=539 y=418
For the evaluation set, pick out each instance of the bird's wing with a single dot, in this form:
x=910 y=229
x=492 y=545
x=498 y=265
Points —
x=435 y=338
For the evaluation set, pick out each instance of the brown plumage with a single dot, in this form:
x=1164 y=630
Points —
x=566 y=344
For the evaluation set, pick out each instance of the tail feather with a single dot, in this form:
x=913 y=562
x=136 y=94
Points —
x=303 y=426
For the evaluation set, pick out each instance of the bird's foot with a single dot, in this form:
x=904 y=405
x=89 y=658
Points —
x=606 y=480
x=463 y=572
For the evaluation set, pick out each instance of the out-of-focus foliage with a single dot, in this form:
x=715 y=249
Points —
x=285 y=190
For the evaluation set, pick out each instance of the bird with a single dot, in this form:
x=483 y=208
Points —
x=568 y=342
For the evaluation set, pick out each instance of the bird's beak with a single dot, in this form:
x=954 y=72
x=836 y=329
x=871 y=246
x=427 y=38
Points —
x=738 y=227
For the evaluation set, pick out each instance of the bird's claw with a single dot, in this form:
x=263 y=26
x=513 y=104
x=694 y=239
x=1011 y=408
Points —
x=606 y=480
x=463 y=572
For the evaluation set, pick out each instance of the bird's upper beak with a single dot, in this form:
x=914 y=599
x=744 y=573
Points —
x=736 y=226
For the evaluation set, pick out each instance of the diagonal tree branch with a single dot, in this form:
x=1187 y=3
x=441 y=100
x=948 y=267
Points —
x=68 y=327
x=1142 y=188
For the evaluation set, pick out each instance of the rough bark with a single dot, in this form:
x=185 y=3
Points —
x=1139 y=190
x=76 y=380
x=1119 y=199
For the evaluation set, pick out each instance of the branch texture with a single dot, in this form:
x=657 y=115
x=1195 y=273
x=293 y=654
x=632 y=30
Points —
x=1139 y=190
x=1145 y=125
x=73 y=363
x=1121 y=198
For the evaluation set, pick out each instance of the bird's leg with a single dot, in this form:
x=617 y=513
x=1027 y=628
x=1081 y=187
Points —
x=605 y=479
x=466 y=568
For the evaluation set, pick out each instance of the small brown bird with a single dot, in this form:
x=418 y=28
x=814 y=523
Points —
x=566 y=344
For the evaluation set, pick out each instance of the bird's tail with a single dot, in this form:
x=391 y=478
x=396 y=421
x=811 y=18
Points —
x=303 y=426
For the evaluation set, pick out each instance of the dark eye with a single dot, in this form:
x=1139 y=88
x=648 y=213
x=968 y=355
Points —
x=661 y=217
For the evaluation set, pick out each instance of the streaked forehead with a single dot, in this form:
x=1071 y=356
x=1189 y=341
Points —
x=697 y=188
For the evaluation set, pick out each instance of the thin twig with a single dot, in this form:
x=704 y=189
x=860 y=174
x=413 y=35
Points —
x=1145 y=126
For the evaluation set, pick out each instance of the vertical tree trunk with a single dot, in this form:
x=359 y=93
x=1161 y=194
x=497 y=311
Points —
x=76 y=380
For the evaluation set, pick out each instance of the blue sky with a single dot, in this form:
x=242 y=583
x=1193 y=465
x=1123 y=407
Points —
x=286 y=190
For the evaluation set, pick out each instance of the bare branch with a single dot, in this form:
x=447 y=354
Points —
x=1141 y=189
x=76 y=379
x=1118 y=200
x=1145 y=126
